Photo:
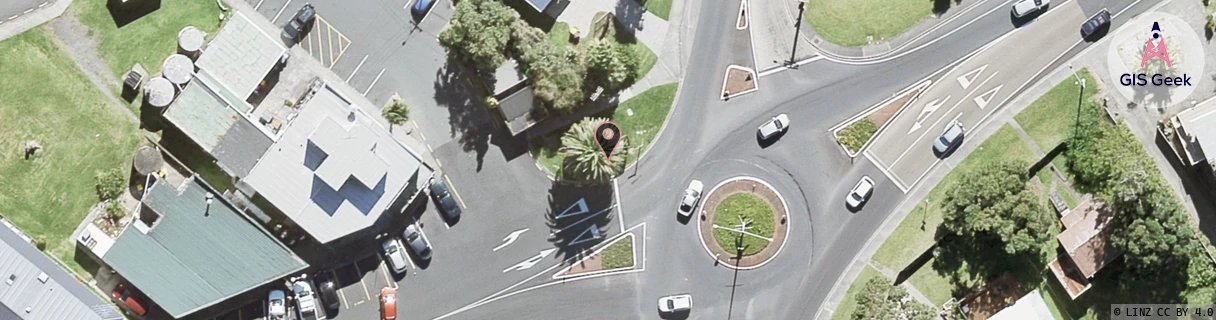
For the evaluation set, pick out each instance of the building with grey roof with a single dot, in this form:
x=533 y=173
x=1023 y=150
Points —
x=335 y=171
x=186 y=253
x=35 y=288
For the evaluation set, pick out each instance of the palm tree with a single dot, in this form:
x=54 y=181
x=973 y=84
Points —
x=583 y=158
x=397 y=113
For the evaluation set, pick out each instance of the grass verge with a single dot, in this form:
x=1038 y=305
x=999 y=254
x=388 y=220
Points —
x=649 y=110
x=751 y=208
x=660 y=8
x=47 y=99
x=849 y=22
x=844 y=311
x=1051 y=118
x=619 y=254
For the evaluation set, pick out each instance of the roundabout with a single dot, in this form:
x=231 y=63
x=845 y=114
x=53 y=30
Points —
x=743 y=223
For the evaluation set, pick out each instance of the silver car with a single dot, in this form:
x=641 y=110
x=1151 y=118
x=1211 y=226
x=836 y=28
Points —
x=675 y=303
x=417 y=241
x=776 y=125
x=276 y=305
x=860 y=193
x=951 y=137
x=692 y=197
x=1025 y=7
x=394 y=253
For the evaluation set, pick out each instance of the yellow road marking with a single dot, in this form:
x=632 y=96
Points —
x=361 y=282
x=453 y=187
x=341 y=293
x=388 y=280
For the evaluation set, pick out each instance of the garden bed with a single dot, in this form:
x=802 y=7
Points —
x=856 y=134
x=618 y=255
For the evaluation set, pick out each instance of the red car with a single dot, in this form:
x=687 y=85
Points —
x=128 y=299
x=388 y=303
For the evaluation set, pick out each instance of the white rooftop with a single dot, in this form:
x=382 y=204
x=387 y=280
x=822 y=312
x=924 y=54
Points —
x=335 y=170
x=1029 y=307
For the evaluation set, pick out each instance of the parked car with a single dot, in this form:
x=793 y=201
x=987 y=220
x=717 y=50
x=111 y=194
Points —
x=1095 y=23
x=417 y=241
x=675 y=303
x=300 y=21
x=276 y=305
x=388 y=303
x=306 y=301
x=443 y=197
x=950 y=138
x=327 y=291
x=129 y=300
x=421 y=7
x=1026 y=7
x=776 y=125
x=860 y=193
x=692 y=197
x=394 y=253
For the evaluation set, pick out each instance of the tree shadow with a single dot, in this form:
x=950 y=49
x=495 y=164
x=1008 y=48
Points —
x=969 y=262
x=1197 y=188
x=941 y=6
x=126 y=12
x=467 y=115
x=573 y=233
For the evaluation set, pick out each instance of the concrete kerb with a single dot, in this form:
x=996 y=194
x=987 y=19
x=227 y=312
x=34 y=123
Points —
x=921 y=86
x=561 y=275
x=785 y=214
x=33 y=18
x=842 y=58
x=726 y=77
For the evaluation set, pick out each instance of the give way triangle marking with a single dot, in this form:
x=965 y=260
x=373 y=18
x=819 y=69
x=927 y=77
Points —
x=592 y=233
x=582 y=208
x=983 y=99
x=967 y=78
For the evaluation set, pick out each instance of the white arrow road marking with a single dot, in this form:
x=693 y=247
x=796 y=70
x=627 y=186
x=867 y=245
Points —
x=511 y=238
x=527 y=264
x=983 y=99
x=967 y=78
x=593 y=230
x=582 y=208
x=928 y=110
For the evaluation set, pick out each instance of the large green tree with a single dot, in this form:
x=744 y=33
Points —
x=583 y=158
x=610 y=65
x=994 y=202
x=879 y=299
x=478 y=33
x=557 y=73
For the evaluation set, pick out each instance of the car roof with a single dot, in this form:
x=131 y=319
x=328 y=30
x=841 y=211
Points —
x=954 y=131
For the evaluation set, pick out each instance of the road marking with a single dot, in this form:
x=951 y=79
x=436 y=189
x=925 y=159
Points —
x=341 y=293
x=568 y=226
x=931 y=42
x=983 y=102
x=593 y=230
x=28 y=11
x=360 y=65
x=369 y=87
x=966 y=79
x=361 y=282
x=883 y=167
x=384 y=272
x=620 y=212
x=453 y=187
x=510 y=238
x=255 y=7
x=276 y=16
x=939 y=120
x=527 y=264
x=582 y=208
x=928 y=110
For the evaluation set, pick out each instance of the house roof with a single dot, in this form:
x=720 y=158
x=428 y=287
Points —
x=1083 y=224
x=1200 y=123
x=196 y=255
x=517 y=109
x=61 y=296
x=202 y=115
x=1086 y=244
x=241 y=55
x=539 y=5
x=334 y=170
x=241 y=147
x=1029 y=306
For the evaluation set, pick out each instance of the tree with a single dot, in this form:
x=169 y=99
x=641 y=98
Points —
x=583 y=158
x=397 y=113
x=110 y=183
x=478 y=33
x=556 y=73
x=115 y=211
x=994 y=202
x=880 y=299
x=611 y=66
x=40 y=242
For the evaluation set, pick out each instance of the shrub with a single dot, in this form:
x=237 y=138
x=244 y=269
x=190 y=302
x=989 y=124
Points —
x=40 y=242
x=110 y=183
x=115 y=211
x=857 y=134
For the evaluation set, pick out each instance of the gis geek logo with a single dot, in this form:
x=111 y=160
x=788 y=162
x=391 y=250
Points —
x=1155 y=65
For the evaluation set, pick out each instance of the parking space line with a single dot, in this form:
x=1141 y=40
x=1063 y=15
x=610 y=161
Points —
x=357 y=67
x=361 y=282
x=255 y=7
x=369 y=87
x=341 y=293
x=453 y=187
x=388 y=279
x=276 y=16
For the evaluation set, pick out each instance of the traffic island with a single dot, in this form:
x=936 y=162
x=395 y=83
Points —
x=743 y=223
x=855 y=134
x=618 y=255
x=739 y=81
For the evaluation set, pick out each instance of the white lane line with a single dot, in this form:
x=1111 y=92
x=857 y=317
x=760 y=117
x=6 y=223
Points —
x=352 y=73
x=935 y=162
x=259 y=5
x=883 y=167
x=787 y=67
x=276 y=16
x=369 y=87
x=939 y=120
x=620 y=213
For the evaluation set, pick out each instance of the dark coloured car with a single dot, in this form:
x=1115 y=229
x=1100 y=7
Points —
x=327 y=291
x=1095 y=23
x=443 y=197
x=294 y=29
x=421 y=7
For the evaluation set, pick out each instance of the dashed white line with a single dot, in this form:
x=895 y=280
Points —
x=352 y=73
x=276 y=16
x=369 y=87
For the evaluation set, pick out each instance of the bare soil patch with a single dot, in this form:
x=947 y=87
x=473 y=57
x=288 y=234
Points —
x=886 y=112
x=739 y=81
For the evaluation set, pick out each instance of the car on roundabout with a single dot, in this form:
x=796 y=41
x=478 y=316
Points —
x=675 y=304
x=691 y=198
x=860 y=193
x=1094 y=24
x=777 y=125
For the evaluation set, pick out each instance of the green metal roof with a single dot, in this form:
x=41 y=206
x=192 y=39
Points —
x=192 y=257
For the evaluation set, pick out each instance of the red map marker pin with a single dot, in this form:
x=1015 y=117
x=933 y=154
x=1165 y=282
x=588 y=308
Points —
x=608 y=136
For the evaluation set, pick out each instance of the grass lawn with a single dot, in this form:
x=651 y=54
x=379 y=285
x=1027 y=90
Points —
x=649 y=109
x=915 y=234
x=559 y=35
x=148 y=39
x=619 y=254
x=844 y=311
x=1049 y=297
x=1050 y=119
x=646 y=57
x=848 y=22
x=44 y=97
x=754 y=210
x=937 y=286
x=660 y=8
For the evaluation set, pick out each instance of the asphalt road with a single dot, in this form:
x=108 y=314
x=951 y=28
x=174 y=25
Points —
x=10 y=9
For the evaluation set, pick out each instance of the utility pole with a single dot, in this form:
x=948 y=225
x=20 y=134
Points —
x=797 y=31
x=1080 y=99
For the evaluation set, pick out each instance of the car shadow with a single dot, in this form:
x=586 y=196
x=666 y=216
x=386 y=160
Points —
x=949 y=151
x=1019 y=22
x=765 y=143
x=1098 y=33
x=855 y=209
x=675 y=315
x=684 y=219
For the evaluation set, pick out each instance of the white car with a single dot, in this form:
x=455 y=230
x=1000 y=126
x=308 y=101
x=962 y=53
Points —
x=1025 y=7
x=860 y=193
x=394 y=253
x=306 y=301
x=692 y=197
x=776 y=125
x=675 y=303
x=276 y=305
x=417 y=241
